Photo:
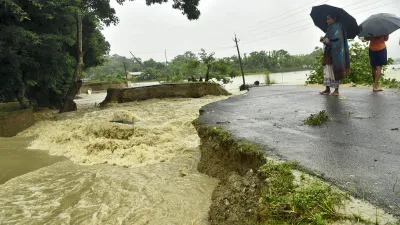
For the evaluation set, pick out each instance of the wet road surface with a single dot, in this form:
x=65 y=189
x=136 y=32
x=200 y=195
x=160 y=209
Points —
x=358 y=149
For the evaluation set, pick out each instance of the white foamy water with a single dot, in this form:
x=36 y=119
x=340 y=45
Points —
x=145 y=173
x=162 y=129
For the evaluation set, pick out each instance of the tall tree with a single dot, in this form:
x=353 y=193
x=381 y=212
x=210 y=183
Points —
x=208 y=59
x=104 y=12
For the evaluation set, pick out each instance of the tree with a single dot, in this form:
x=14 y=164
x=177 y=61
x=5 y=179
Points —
x=33 y=48
x=43 y=49
x=208 y=60
x=105 y=13
x=40 y=39
x=191 y=67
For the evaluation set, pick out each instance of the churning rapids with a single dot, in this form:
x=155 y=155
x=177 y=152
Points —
x=142 y=171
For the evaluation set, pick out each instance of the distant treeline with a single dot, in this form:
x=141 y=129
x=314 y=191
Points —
x=190 y=65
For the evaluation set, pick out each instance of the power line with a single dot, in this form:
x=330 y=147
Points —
x=307 y=19
x=290 y=11
x=296 y=23
x=292 y=31
x=275 y=19
x=285 y=15
x=304 y=27
x=368 y=5
x=377 y=7
x=309 y=26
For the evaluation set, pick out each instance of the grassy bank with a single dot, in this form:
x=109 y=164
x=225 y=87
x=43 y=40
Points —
x=255 y=190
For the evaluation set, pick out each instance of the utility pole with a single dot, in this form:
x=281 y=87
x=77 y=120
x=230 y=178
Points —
x=166 y=60
x=240 y=61
x=137 y=60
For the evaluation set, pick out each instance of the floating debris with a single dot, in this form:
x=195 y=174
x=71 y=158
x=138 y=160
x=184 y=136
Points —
x=122 y=121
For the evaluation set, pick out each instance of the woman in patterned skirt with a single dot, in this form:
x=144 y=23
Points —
x=336 y=59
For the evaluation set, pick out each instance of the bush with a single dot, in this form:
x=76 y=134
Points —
x=234 y=73
x=268 y=80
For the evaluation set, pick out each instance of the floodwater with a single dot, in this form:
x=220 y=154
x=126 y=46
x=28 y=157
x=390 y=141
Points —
x=79 y=168
x=100 y=172
x=288 y=78
x=295 y=78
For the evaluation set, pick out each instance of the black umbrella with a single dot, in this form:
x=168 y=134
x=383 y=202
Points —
x=379 y=24
x=319 y=14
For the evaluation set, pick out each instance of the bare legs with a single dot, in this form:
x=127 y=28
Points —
x=376 y=75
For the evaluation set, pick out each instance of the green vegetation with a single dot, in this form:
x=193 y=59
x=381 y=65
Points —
x=360 y=68
x=255 y=192
x=318 y=119
x=268 y=80
x=284 y=202
x=45 y=46
x=191 y=66
x=226 y=140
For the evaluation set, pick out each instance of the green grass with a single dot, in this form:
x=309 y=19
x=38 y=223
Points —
x=283 y=202
x=318 y=119
x=268 y=80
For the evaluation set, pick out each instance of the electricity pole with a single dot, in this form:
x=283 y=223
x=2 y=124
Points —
x=166 y=60
x=240 y=60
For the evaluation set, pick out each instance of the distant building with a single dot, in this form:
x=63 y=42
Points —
x=133 y=74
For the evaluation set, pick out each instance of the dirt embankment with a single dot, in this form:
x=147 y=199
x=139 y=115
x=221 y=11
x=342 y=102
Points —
x=180 y=90
x=100 y=86
x=235 y=200
x=253 y=190
x=13 y=119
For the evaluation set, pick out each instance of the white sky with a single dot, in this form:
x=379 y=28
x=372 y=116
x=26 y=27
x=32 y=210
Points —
x=281 y=24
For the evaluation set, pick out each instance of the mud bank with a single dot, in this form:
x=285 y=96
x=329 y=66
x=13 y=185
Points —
x=100 y=86
x=257 y=190
x=184 y=90
x=13 y=120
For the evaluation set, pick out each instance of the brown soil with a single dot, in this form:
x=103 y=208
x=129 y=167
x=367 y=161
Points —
x=235 y=200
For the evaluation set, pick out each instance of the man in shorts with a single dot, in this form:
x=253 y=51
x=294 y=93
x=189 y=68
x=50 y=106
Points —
x=377 y=58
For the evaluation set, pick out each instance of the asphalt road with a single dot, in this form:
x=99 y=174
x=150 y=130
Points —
x=357 y=150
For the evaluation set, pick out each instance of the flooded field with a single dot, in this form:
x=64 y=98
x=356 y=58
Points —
x=143 y=172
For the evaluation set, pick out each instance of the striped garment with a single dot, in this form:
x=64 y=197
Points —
x=329 y=77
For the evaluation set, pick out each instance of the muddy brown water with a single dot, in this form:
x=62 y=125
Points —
x=87 y=173
x=15 y=160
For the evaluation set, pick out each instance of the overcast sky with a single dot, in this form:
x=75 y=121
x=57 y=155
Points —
x=260 y=25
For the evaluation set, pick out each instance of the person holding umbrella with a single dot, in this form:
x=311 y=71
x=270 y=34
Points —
x=377 y=58
x=336 y=58
x=339 y=26
x=376 y=29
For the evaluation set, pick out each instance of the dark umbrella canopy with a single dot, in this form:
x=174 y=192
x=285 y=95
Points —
x=319 y=14
x=379 y=24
